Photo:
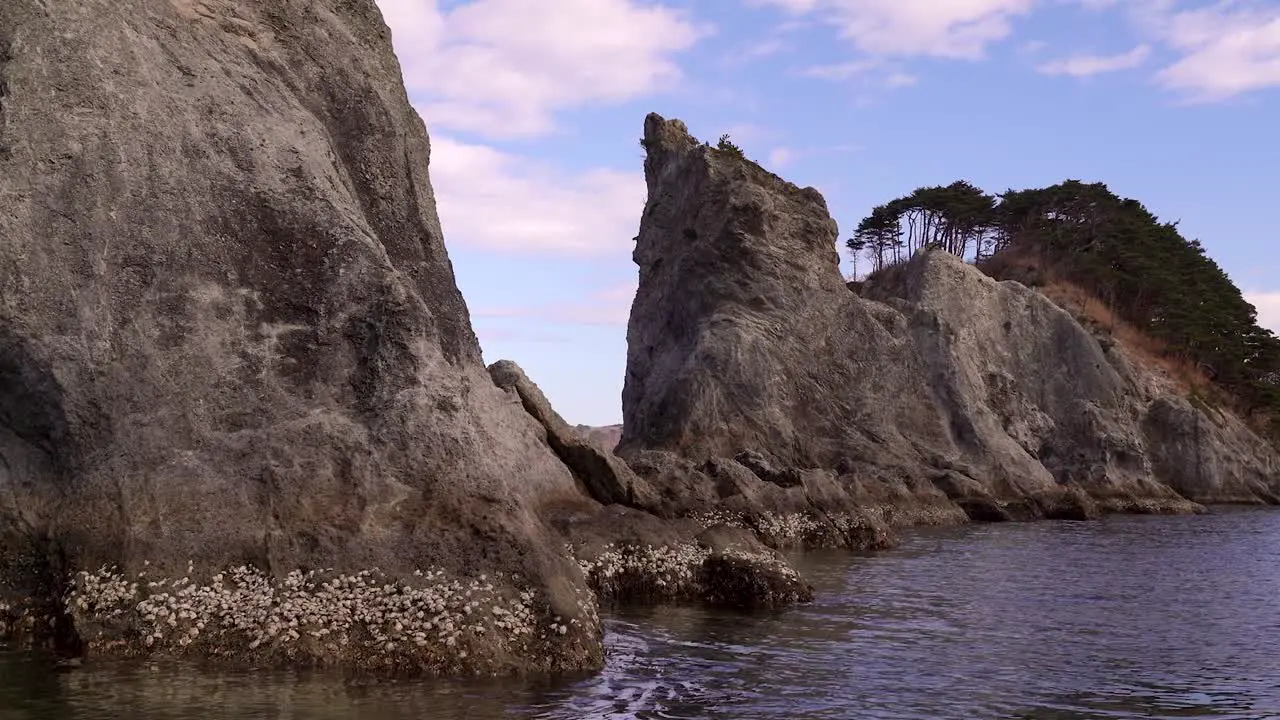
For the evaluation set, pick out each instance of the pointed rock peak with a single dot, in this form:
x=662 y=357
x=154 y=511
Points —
x=661 y=134
x=671 y=149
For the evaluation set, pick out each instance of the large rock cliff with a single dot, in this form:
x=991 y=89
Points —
x=230 y=340
x=747 y=351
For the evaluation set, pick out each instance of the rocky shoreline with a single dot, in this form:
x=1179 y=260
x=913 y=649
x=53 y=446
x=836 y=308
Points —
x=244 y=416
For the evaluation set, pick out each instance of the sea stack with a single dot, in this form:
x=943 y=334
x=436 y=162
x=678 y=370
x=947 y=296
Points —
x=233 y=357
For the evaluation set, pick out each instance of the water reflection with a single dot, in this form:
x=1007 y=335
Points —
x=1127 y=618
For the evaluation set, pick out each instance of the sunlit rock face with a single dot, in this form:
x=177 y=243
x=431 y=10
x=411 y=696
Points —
x=757 y=378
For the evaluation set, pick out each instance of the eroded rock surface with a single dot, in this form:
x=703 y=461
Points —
x=757 y=378
x=603 y=475
x=231 y=347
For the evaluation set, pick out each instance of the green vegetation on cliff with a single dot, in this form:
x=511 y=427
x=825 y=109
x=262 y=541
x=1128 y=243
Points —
x=1144 y=269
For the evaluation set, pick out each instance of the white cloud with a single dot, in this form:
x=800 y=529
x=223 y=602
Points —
x=1228 y=48
x=609 y=306
x=493 y=200
x=1087 y=65
x=747 y=132
x=1268 y=305
x=780 y=157
x=841 y=71
x=775 y=41
x=1224 y=48
x=496 y=333
x=758 y=50
x=792 y=6
x=783 y=156
x=900 y=79
x=1031 y=47
x=937 y=28
x=873 y=70
x=501 y=68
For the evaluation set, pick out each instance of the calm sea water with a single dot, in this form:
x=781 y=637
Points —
x=1124 y=618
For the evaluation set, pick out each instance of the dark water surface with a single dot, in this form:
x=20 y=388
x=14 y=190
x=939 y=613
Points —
x=1125 y=618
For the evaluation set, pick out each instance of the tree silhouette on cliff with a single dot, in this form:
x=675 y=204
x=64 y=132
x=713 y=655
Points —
x=1082 y=233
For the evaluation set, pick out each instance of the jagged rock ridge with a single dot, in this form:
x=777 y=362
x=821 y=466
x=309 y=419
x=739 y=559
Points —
x=744 y=338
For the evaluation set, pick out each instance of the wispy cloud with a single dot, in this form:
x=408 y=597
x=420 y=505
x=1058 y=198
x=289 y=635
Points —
x=747 y=132
x=934 y=28
x=900 y=79
x=609 y=306
x=498 y=201
x=777 y=40
x=784 y=156
x=869 y=71
x=487 y=332
x=502 y=68
x=1228 y=48
x=780 y=157
x=796 y=7
x=841 y=71
x=1088 y=65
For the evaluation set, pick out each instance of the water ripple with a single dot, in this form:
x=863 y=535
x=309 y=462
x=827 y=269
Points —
x=1127 y=618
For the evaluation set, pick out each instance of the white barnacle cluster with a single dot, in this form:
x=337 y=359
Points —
x=588 y=608
x=429 y=618
x=764 y=561
x=773 y=528
x=846 y=523
x=105 y=593
x=637 y=571
x=716 y=516
x=19 y=615
x=631 y=573
x=789 y=527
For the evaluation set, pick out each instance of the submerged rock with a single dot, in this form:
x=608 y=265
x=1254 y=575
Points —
x=230 y=338
x=932 y=394
x=722 y=566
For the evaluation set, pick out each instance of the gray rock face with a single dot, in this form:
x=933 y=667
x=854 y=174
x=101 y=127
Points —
x=229 y=329
x=603 y=475
x=745 y=342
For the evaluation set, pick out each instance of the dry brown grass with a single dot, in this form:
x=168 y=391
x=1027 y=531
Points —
x=1094 y=313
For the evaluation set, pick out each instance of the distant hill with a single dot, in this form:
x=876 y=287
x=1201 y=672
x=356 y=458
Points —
x=605 y=436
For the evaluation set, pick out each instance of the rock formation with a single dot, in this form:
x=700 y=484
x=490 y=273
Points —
x=230 y=336
x=938 y=387
x=243 y=413
x=604 y=476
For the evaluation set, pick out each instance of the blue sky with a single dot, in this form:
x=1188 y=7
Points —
x=535 y=109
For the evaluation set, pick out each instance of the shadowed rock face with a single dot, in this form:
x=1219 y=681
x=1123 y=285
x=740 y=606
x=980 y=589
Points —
x=603 y=475
x=229 y=329
x=745 y=342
